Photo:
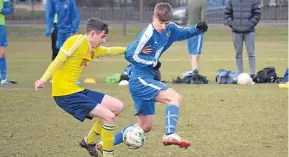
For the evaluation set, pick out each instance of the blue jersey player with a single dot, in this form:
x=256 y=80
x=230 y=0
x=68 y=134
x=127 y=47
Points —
x=5 y=9
x=68 y=19
x=145 y=91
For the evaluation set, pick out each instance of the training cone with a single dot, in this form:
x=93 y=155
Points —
x=283 y=85
x=89 y=81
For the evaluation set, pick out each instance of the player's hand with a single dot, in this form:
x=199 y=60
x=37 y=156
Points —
x=157 y=67
x=48 y=32
x=203 y=26
x=146 y=50
x=39 y=84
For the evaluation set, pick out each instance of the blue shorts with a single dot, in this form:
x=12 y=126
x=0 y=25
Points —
x=195 y=44
x=79 y=104
x=61 y=38
x=3 y=36
x=143 y=92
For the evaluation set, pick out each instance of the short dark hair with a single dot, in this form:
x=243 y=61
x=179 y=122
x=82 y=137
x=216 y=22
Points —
x=97 y=25
x=163 y=11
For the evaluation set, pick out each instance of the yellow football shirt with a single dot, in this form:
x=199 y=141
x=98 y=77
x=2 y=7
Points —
x=75 y=54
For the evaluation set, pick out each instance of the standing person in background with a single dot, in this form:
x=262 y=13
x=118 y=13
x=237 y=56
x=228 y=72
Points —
x=242 y=16
x=196 y=13
x=5 y=9
x=60 y=30
x=54 y=38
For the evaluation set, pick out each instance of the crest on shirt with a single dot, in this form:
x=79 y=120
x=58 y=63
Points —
x=84 y=63
x=92 y=54
x=65 y=6
x=168 y=34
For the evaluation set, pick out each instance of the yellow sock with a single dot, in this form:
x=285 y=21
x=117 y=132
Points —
x=95 y=130
x=107 y=137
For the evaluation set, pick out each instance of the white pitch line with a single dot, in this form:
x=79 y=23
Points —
x=16 y=89
x=210 y=59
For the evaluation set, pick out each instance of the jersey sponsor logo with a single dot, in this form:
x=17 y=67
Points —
x=83 y=63
x=92 y=54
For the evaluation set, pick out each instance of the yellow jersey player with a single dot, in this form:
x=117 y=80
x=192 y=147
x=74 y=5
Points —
x=76 y=53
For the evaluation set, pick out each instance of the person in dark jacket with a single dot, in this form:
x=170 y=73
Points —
x=242 y=16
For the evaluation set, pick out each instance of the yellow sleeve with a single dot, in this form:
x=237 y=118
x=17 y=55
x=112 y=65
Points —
x=56 y=64
x=108 y=51
x=68 y=48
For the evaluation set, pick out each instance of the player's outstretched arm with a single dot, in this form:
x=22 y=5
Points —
x=114 y=51
x=182 y=33
x=67 y=49
x=56 y=64
x=102 y=51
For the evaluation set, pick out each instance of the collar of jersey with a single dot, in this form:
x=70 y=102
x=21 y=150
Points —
x=156 y=29
x=88 y=43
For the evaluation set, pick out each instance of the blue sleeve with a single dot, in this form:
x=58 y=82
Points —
x=49 y=16
x=133 y=52
x=6 y=10
x=76 y=18
x=182 y=33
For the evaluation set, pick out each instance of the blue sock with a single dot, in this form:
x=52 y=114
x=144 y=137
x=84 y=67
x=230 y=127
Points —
x=118 y=137
x=3 y=68
x=171 y=118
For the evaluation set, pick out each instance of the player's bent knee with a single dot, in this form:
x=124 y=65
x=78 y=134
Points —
x=118 y=108
x=2 y=52
x=174 y=97
x=180 y=98
x=109 y=118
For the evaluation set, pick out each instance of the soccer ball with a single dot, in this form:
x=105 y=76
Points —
x=134 y=137
x=244 y=79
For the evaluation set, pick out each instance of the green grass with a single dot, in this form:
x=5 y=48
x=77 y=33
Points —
x=220 y=120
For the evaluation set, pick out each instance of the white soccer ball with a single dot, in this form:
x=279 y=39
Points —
x=244 y=79
x=134 y=137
